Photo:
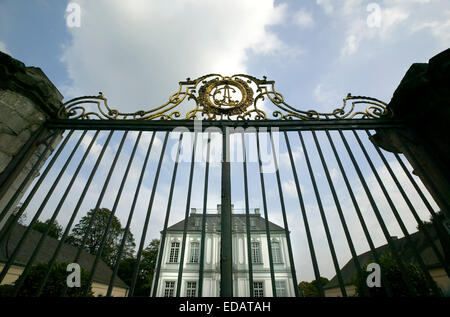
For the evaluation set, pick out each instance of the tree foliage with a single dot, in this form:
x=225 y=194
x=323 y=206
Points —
x=146 y=269
x=95 y=233
x=55 y=230
x=54 y=286
x=311 y=289
x=391 y=271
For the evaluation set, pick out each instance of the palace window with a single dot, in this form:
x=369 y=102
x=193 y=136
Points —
x=191 y=289
x=276 y=252
x=174 y=251
x=256 y=253
x=195 y=252
x=258 y=289
x=169 y=289
x=281 y=288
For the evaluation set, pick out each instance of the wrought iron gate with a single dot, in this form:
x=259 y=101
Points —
x=336 y=196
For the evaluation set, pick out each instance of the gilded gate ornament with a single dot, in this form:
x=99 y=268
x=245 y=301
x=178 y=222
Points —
x=217 y=97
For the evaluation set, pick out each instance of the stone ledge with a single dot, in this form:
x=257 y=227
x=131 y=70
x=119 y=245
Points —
x=30 y=82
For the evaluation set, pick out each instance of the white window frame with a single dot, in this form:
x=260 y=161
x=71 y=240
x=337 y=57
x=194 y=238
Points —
x=258 y=288
x=194 y=257
x=174 y=252
x=280 y=285
x=256 y=252
x=169 y=289
x=191 y=286
x=276 y=252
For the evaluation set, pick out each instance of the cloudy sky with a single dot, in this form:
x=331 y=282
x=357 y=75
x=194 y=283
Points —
x=136 y=51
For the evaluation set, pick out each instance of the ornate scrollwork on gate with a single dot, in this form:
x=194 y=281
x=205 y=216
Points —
x=216 y=97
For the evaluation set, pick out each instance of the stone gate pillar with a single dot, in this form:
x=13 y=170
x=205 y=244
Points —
x=27 y=100
x=422 y=101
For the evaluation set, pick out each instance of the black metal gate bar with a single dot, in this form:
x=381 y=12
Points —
x=147 y=218
x=437 y=224
x=305 y=218
x=170 y=125
x=27 y=178
x=113 y=211
x=340 y=213
x=386 y=283
x=285 y=222
x=74 y=214
x=266 y=216
x=394 y=210
x=186 y=216
x=205 y=202
x=15 y=218
x=396 y=215
x=227 y=277
x=247 y=217
x=18 y=284
x=415 y=185
x=413 y=210
x=379 y=218
x=130 y=216
x=324 y=219
x=99 y=201
x=226 y=242
x=166 y=220
x=8 y=173
x=35 y=218
x=438 y=194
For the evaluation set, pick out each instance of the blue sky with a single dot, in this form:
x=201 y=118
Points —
x=136 y=52
x=317 y=51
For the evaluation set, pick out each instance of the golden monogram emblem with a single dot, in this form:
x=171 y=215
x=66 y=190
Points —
x=225 y=96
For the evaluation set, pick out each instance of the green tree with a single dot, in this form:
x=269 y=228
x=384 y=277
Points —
x=54 y=286
x=96 y=232
x=311 y=289
x=146 y=269
x=391 y=271
x=55 y=229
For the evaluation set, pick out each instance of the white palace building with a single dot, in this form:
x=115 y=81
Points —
x=262 y=282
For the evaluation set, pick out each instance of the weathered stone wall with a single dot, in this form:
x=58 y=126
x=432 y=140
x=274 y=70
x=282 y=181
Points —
x=422 y=101
x=27 y=100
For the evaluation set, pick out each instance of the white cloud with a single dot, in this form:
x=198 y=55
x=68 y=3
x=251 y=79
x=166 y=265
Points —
x=390 y=17
x=351 y=45
x=438 y=28
x=289 y=188
x=326 y=95
x=137 y=51
x=3 y=48
x=326 y=5
x=303 y=19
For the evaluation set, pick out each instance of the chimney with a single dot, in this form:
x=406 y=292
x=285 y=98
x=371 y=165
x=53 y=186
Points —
x=219 y=208
x=193 y=211
x=257 y=211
